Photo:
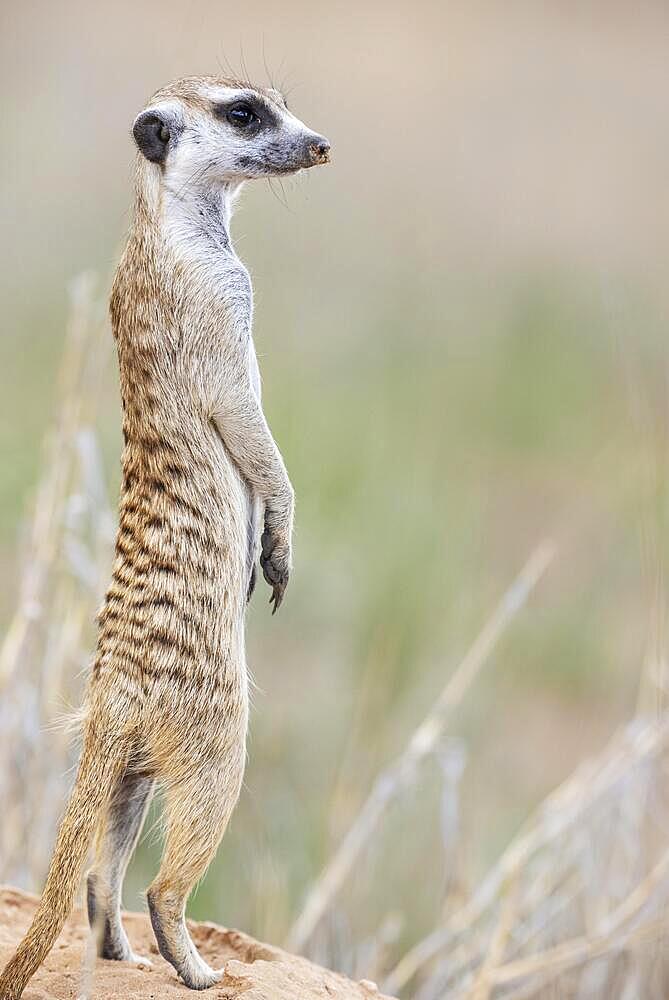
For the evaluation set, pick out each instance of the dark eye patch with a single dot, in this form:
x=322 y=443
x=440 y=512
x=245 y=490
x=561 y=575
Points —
x=265 y=116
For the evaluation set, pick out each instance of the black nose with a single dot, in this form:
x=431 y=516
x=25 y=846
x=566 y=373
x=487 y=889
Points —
x=319 y=149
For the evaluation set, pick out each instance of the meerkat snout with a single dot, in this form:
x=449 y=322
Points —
x=319 y=150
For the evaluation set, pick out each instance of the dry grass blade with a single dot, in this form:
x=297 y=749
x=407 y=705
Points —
x=613 y=936
x=485 y=978
x=565 y=811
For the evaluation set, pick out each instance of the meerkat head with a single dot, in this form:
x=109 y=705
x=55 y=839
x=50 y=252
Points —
x=205 y=131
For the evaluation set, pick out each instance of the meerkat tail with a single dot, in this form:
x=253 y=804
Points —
x=99 y=771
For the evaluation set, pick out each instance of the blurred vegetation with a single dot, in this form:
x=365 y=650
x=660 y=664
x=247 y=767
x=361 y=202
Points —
x=460 y=357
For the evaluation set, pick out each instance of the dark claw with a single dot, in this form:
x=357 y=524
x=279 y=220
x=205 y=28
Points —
x=277 y=596
x=273 y=561
x=252 y=584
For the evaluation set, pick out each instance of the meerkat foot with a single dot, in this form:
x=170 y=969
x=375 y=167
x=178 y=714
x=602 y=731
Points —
x=141 y=960
x=113 y=941
x=116 y=947
x=175 y=945
x=124 y=953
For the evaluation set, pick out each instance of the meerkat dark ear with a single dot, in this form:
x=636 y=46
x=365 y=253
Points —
x=152 y=134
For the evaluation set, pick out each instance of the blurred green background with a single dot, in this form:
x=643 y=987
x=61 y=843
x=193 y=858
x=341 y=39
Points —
x=461 y=325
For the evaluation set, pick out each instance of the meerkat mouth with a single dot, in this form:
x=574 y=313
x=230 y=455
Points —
x=317 y=155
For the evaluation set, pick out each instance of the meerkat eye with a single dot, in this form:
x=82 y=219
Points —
x=242 y=115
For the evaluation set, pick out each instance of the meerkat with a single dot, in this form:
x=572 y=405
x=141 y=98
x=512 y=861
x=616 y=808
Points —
x=167 y=699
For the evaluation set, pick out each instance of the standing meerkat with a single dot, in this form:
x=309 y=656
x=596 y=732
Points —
x=167 y=698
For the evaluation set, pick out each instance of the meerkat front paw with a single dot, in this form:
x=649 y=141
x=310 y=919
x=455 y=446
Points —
x=275 y=563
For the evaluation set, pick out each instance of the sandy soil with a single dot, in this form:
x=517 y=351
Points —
x=253 y=970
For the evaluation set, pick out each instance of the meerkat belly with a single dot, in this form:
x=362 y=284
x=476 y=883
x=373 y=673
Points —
x=175 y=607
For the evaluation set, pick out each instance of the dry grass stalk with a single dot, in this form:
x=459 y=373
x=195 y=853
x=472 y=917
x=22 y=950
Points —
x=576 y=952
x=486 y=977
x=563 y=812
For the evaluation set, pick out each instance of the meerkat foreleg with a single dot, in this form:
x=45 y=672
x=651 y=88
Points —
x=240 y=421
x=117 y=838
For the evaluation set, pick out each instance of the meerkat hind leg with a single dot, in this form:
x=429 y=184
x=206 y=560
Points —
x=197 y=814
x=115 y=844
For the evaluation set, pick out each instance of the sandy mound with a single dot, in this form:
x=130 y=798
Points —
x=253 y=970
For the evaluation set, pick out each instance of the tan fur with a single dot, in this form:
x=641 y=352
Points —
x=167 y=696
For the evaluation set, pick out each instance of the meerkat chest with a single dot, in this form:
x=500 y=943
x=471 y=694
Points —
x=215 y=274
x=227 y=290
x=235 y=294
x=234 y=289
